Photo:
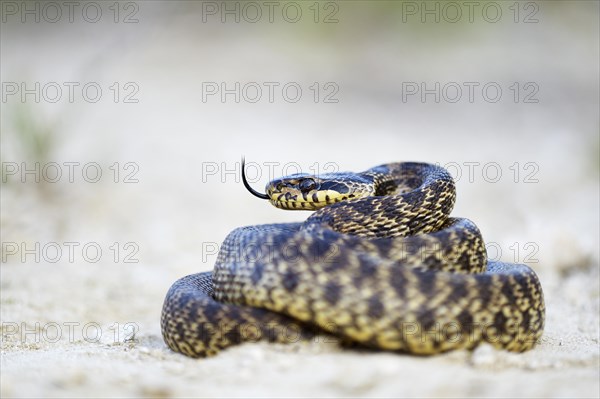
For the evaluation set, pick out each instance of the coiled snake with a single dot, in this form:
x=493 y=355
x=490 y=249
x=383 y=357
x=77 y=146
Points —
x=379 y=264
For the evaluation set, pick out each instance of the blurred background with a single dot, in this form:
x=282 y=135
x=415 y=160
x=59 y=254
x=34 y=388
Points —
x=123 y=125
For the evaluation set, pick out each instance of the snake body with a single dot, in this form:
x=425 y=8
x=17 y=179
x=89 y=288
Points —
x=379 y=264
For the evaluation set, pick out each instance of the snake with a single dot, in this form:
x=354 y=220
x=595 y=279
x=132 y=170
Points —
x=380 y=264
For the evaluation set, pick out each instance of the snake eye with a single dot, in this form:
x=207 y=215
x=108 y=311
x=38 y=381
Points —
x=307 y=185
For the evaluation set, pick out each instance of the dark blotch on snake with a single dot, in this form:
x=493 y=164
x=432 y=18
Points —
x=376 y=308
x=368 y=266
x=257 y=273
x=290 y=280
x=332 y=292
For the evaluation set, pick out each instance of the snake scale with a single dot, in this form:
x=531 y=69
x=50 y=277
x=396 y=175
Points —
x=379 y=264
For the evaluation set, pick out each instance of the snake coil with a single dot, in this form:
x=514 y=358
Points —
x=379 y=264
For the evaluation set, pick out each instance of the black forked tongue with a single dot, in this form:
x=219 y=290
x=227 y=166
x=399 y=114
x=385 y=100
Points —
x=252 y=191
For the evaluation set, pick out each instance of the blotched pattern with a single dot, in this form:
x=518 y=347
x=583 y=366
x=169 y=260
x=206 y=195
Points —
x=391 y=271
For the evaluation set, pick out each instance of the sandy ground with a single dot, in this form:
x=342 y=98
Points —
x=86 y=323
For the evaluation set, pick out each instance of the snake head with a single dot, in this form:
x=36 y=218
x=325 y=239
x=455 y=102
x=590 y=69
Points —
x=310 y=192
x=302 y=191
